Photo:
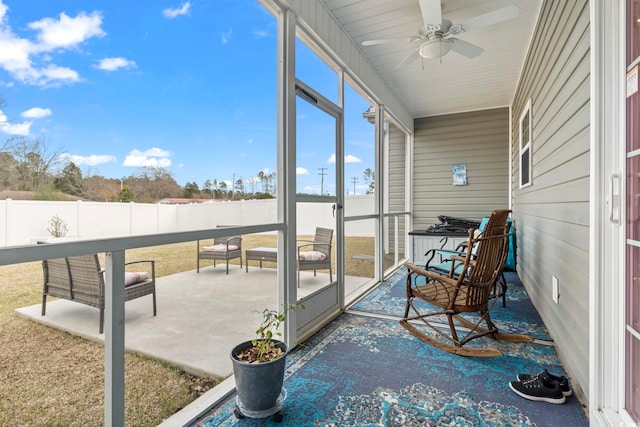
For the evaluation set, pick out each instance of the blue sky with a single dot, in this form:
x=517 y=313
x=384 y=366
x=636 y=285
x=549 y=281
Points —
x=188 y=86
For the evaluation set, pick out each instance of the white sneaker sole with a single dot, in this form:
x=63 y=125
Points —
x=556 y=401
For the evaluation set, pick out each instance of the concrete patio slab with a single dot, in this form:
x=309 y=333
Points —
x=201 y=316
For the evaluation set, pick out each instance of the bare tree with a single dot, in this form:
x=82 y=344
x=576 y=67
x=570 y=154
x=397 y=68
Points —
x=8 y=171
x=34 y=161
x=152 y=184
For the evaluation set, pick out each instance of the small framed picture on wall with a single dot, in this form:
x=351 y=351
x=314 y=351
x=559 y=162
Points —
x=460 y=174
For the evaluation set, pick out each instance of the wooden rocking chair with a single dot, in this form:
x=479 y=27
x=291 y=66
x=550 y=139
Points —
x=467 y=292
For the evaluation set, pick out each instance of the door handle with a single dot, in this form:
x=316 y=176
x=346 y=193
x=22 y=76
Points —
x=336 y=206
x=614 y=198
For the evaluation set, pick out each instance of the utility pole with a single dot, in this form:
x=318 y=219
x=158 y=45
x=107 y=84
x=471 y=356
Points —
x=322 y=174
x=355 y=180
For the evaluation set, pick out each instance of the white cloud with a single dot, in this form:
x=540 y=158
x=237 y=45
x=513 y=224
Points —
x=347 y=159
x=3 y=11
x=67 y=32
x=173 y=13
x=92 y=160
x=30 y=62
x=21 y=129
x=301 y=171
x=36 y=113
x=55 y=74
x=112 y=64
x=155 y=157
x=156 y=152
x=260 y=34
x=225 y=37
x=14 y=52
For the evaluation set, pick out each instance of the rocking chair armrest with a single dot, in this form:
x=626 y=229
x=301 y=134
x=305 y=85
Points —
x=414 y=269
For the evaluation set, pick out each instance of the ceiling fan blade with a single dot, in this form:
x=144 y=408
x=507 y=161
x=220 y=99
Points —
x=491 y=18
x=409 y=59
x=465 y=48
x=431 y=12
x=392 y=40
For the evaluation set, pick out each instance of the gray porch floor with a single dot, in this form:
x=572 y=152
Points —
x=201 y=316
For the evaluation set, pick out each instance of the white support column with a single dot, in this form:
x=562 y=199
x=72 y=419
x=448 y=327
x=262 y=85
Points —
x=114 y=340
x=340 y=198
x=379 y=193
x=287 y=286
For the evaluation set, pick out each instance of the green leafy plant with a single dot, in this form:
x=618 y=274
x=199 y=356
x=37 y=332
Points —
x=57 y=227
x=263 y=347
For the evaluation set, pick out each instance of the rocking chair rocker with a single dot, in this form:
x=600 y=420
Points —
x=467 y=292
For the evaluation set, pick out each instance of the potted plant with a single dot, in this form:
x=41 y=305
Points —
x=258 y=368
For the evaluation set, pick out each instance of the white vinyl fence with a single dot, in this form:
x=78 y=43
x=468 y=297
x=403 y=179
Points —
x=23 y=222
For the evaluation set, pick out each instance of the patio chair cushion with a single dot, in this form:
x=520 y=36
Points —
x=131 y=278
x=220 y=247
x=312 y=256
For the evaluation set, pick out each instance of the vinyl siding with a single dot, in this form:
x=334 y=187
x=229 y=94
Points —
x=481 y=140
x=552 y=215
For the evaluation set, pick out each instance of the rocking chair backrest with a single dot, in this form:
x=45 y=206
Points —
x=492 y=249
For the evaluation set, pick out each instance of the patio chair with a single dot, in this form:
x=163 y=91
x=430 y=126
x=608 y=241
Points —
x=316 y=255
x=439 y=260
x=450 y=296
x=223 y=249
x=80 y=279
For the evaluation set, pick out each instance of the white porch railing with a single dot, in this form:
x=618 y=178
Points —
x=115 y=248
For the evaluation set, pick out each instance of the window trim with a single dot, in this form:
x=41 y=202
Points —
x=525 y=146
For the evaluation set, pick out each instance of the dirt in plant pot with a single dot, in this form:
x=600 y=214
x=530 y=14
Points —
x=250 y=355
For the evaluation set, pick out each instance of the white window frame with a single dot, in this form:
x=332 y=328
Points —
x=526 y=143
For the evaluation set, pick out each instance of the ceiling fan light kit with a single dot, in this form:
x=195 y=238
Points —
x=435 y=33
x=435 y=48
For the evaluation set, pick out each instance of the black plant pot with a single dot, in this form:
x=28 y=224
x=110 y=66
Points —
x=258 y=384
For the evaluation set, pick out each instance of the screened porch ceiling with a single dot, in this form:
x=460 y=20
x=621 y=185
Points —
x=430 y=87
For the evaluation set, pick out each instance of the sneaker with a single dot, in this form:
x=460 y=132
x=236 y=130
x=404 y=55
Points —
x=539 y=390
x=550 y=378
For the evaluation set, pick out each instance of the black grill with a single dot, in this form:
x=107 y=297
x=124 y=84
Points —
x=452 y=224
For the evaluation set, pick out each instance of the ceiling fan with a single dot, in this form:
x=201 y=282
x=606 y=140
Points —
x=435 y=35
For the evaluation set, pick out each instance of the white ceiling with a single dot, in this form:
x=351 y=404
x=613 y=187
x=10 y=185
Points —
x=428 y=87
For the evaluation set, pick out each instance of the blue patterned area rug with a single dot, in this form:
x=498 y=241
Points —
x=363 y=370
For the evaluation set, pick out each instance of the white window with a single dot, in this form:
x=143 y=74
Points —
x=525 y=137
